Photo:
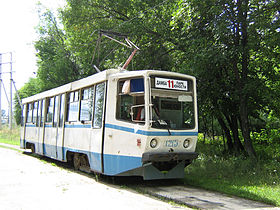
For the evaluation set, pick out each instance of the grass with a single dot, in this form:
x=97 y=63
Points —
x=8 y=136
x=240 y=176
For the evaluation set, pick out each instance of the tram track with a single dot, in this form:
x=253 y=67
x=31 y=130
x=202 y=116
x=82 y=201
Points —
x=193 y=197
x=202 y=199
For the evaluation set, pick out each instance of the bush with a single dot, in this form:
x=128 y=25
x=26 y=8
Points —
x=257 y=179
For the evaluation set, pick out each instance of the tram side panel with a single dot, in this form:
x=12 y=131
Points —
x=83 y=139
x=122 y=146
x=23 y=127
x=83 y=132
x=31 y=136
x=76 y=138
x=49 y=147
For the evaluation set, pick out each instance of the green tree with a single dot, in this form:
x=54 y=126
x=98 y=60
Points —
x=145 y=22
x=220 y=40
x=56 y=65
x=232 y=47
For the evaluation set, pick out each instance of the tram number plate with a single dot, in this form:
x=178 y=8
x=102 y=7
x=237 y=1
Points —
x=171 y=143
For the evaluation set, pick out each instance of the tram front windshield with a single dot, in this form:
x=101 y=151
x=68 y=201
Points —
x=172 y=109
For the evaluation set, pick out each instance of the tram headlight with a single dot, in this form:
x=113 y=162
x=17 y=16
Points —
x=153 y=143
x=186 y=143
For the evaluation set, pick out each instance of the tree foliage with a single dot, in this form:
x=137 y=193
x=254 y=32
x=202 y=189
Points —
x=56 y=64
x=231 y=46
x=228 y=46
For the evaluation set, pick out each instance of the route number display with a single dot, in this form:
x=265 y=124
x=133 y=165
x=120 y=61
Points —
x=172 y=84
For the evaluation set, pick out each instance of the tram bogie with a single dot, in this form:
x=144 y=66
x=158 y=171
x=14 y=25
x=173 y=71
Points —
x=117 y=123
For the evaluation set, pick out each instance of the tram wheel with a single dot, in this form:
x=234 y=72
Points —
x=32 y=148
x=84 y=164
x=77 y=161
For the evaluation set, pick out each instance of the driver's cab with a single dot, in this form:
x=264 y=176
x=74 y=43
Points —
x=167 y=107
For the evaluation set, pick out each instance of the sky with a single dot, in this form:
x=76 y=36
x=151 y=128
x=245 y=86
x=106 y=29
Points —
x=18 y=19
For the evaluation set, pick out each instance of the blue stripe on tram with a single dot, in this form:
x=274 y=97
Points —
x=150 y=133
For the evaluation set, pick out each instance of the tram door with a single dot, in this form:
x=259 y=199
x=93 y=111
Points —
x=41 y=126
x=23 y=126
x=96 y=156
x=53 y=132
x=60 y=127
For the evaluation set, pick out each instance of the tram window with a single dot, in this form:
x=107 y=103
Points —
x=39 y=113
x=61 y=113
x=35 y=113
x=124 y=104
x=55 y=111
x=50 y=105
x=86 y=104
x=131 y=95
x=137 y=85
x=29 y=112
x=98 y=105
x=42 y=113
x=23 y=115
x=131 y=86
x=73 y=106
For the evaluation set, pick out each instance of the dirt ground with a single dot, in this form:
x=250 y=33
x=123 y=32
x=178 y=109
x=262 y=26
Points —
x=29 y=183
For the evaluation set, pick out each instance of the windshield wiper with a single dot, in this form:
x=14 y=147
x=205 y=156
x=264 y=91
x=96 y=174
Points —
x=168 y=130
x=165 y=124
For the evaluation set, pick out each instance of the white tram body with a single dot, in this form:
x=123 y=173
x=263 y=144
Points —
x=117 y=123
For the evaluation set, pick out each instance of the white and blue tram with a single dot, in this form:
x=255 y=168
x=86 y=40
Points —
x=117 y=123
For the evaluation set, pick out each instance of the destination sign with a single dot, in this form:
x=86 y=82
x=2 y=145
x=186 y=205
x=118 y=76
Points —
x=172 y=84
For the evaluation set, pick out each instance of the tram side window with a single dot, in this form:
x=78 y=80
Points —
x=131 y=96
x=98 y=105
x=61 y=113
x=73 y=106
x=124 y=104
x=55 y=117
x=29 y=112
x=42 y=113
x=86 y=104
x=23 y=115
x=35 y=112
x=50 y=105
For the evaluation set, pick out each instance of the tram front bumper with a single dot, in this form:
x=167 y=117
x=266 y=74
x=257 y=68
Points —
x=168 y=156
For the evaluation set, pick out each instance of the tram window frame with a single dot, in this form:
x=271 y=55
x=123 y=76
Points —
x=98 y=113
x=127 y=97
x=62 y=109
x=42 y=114
x=35 y=113
x=73 y=100
x=29 y=113
x=23 y=115
x=55 y=110
x=87 y=104
x=49 y=107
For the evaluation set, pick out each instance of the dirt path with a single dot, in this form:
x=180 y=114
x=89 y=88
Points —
x=28 y=183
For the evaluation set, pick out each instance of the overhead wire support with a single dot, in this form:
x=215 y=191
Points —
x=18 y=97
x=12 y=83
x=6 y=94
x=128 y=44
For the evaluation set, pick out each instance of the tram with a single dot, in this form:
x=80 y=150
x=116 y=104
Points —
x=117 y=123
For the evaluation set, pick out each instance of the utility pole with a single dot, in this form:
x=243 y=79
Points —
x=11 y=95
x=9 y=99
